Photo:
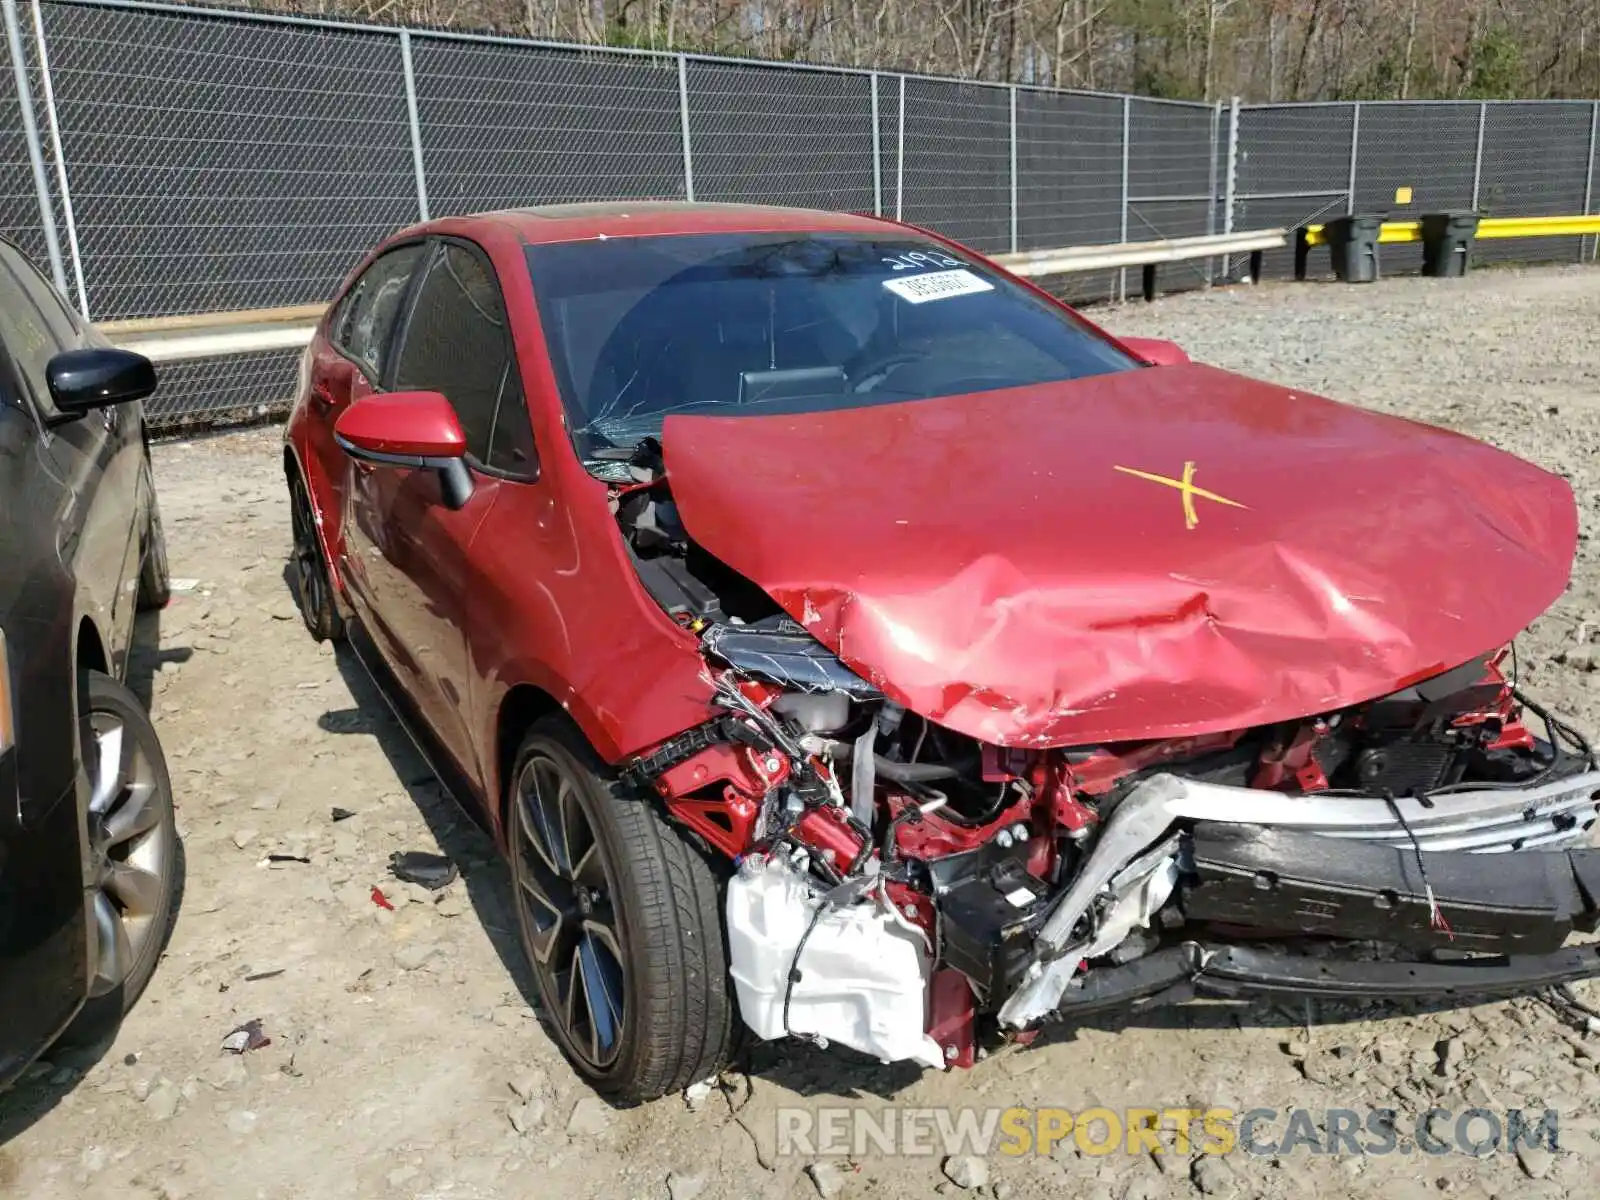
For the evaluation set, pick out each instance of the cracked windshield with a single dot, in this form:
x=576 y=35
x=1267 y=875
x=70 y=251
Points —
x=730 y=324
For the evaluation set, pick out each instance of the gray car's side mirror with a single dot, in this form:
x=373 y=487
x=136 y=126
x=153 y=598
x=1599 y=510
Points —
x=81 y=380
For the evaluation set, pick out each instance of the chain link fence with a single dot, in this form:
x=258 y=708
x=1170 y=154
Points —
x=1304 y=163
x=188 y=160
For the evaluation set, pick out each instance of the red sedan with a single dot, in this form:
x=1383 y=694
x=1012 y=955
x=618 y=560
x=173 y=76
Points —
x=845 y=639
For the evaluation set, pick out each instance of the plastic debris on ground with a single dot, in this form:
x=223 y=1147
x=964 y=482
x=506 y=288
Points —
x=248 y=1036
x=432 y=871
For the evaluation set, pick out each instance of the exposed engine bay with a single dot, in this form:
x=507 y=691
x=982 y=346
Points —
x=907 y=890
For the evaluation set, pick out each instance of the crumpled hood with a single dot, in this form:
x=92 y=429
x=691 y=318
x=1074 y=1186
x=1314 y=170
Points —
x=1010 y=564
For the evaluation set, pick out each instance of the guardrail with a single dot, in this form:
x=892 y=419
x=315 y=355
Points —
x=1148 y=255
x=213 y=335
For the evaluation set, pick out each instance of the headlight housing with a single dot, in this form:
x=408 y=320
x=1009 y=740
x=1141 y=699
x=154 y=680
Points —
x=780 y=650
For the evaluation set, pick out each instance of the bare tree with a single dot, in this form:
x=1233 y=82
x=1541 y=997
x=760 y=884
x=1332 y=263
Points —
x=1257 y=49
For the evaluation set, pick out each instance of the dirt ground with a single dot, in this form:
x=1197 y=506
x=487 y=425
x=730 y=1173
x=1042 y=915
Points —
x=406 y=1060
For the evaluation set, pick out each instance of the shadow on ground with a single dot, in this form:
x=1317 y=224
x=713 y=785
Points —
x=147 y=656
x=815 y=1073
x=454 y=826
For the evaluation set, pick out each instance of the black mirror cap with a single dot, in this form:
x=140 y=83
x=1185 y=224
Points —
x=80 y=380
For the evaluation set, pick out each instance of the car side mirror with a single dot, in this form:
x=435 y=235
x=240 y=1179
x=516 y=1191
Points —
x=1158 y=352
x=409 y=429
x=97 y=377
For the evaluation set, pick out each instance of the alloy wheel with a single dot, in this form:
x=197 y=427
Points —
x=133 y=861
x=566 y=899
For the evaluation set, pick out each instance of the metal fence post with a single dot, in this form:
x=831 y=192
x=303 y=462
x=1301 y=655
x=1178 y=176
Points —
x=1013 y=168
x=30 y=133
x=683 y=120
x=416 y=126
x=900 y=154
x=1477 y=156
x=61 y=161
x=877 y=153
x=1127 y=125
x=1211 y=186
x=1231 y=184
x=1588 y=181
x=1355 y=141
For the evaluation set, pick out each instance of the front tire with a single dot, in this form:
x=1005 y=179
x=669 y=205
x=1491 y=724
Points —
x=135 y=855
x=621 y=920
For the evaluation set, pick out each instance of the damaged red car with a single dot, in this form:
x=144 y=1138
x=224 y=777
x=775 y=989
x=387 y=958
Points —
x=846 y=640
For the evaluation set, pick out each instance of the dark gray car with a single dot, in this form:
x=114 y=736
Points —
x=88 y=847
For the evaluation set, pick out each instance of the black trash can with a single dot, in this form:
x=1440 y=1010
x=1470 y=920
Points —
x=1447 y=239
x=1353 y=245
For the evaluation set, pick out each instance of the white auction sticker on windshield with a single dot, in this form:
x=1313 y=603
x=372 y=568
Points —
x=937 y=285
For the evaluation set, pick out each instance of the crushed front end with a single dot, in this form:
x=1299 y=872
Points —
x=902 y=888
x=905 y=888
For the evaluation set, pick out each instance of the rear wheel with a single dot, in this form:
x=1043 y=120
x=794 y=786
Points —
x=621 y=920
x=135 y=857
x=313 y=584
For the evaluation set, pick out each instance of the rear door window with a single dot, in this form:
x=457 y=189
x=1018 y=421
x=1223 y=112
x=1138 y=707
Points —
x=365 y=322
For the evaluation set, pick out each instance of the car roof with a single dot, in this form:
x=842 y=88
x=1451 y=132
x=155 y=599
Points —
x=653 y=218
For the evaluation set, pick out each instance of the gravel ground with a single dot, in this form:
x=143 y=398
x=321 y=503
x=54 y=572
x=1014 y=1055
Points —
x=405 y=1058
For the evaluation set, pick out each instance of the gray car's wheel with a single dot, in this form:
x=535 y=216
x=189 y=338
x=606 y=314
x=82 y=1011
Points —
x=621 y=920
x=155 y=579
x=313 y=584
x=135 y=857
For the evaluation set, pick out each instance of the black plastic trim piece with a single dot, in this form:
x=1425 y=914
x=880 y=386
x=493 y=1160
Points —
x=1235 y=972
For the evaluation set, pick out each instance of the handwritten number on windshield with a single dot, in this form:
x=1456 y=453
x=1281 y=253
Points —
x=923 y=260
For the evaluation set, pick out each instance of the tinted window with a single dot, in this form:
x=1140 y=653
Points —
x=456 y=343
x=511 y=447
x=32 y=339
x=63 y=322
x=729 y=323
x=367 y=312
